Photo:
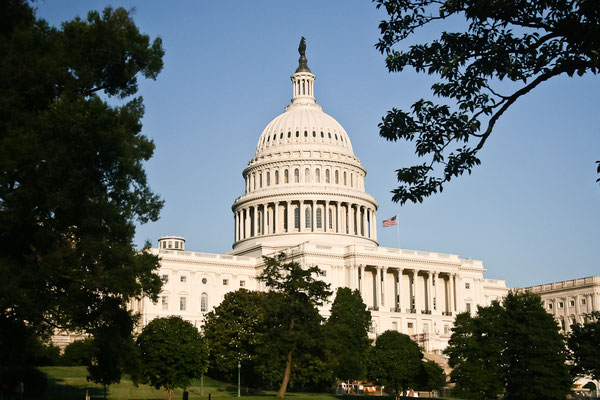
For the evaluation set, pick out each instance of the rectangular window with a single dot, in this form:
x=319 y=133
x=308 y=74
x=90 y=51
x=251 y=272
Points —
x=561 y=304
x=164 y=300
x=242 y=283
x=183 y=278
x=164 y=278
x=203 y=302
x=583 y=302
x=182 y=303
x=446 y=329
x=468 y=305
x=425 y=327
x=297 y=218
x=225 y=282
x=176 y=245
x=572 y=303
x=467 y=285
x=549 y=306
x=410 y=325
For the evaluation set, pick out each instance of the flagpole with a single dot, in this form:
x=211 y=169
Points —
x=398 y=229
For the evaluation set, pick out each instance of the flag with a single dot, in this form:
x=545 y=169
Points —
x=389 y=222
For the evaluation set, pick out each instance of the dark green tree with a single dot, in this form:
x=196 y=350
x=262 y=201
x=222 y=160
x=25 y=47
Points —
x=72 y=182
x=172 y=353
x=347 y=334
x=584 y=346
x=431 y=377
x=395 y=362
x=78 y=353
x=517 y=344
x=301 y=293
x=523 y=42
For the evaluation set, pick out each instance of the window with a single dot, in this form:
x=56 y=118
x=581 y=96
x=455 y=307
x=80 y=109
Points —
x=281 y=136
x=289 y=134
x=337 y=177
x=330 y=220
x=176 y=245
x=319 y=219
x=268 y=178
x=425 y=327
x=345 y=180
x=297 y=218
x=352 y=180
x=307 y=175
x=314 y=134
x=561 y=304
x=467 y=285
x=327 y=180
x=182 y=303
x=170 y=244
x=549 y=306
x=204 y=281
x=164 y=301
x=446 y=329
x=297 y=134
x=203 y=302
x=286 y=176
x=296 y=175
x=307 y=218
x=260 y=179
x=164 y=278
x=409 y=325
x=583 y=302
x=242 y=283
x=183 y=278
x=329 y=134
x=318 y=175
x=468 y=306
x=572 y=303
x=225 y=282
x=277 y=177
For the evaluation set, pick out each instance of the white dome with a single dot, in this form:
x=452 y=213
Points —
x=304 y=127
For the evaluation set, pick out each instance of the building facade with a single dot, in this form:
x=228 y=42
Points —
x=305 y=195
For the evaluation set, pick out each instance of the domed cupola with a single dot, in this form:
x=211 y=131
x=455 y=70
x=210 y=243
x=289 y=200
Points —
x=304 y=182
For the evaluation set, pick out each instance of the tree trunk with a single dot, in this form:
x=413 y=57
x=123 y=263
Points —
x=286 y=376
x=288 y=370
x=169 y=394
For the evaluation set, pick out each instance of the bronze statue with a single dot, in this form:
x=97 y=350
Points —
x=302 y=47
x=302 y=61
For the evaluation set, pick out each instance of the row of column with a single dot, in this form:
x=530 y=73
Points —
x=292 y=216
x=567 y=316
x=422 y=303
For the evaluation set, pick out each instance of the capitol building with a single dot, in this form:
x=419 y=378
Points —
x=305 y=195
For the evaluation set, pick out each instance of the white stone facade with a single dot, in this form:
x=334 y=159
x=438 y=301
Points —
x=305 y=195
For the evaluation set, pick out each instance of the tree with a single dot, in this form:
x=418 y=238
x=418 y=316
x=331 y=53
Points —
x=431 y=377
x=347 y=332
x=395 y=362
x=72 y=182
x=78 y=353
x=300 y=294
x=524 y=42
x=514 y=348
x=584 y=346
x=173 y=353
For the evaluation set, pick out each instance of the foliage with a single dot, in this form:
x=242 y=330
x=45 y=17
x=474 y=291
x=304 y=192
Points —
x=431 y=377
x=300 y=294
x=173 y=353
x=72 y=182
x=347 y=334
x=80 y=352
x=395 y=361
x=584 y=346
x=523 y=42
x=513 y=348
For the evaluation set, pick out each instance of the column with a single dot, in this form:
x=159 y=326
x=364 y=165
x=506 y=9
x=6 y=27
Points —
x=337 y=227
x=416 y=290
x=384 y=276
x=265 y=221
x=237 y=226
x=429 y=294
x=348 y=220
x=290 y=216
x=362 y=282
x=377 y=287
x=275 y=217
x=364 y=222
x=302 y=216
x=451 y=292
x=313 y=226
x=399 y=290
x=326 y=216
x=374 y=224
x=436 y=305
x=255 y=220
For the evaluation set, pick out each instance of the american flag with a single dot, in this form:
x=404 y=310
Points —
x=389 y=222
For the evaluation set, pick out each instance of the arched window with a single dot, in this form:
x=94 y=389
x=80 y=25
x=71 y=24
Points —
x=297 y=133
x=307 y=175
x=307 y=217
x=281 y=136
x=337 y=177
x=319 y=219
x=253 y=181
x=286 y=176
x=297 y=217
x=345 y=180
x=318 y=175
x=260 y=179
x=352 y=180
x=314 y=134
x=268 y=178
x=329 y=134
x=277 y=177
x=305 y=134
x=327 y=178
x=203 y=302
x=296 y=175
x=330 y=219
x=289 y=134
x=322 y=136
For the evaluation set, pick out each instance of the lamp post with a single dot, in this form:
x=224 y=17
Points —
x=239 y=368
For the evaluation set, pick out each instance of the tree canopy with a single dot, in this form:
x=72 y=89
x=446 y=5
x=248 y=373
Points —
x=72 y=182
x=300 y=293
x=584 y=346
x=523 y=42
x=172 y=352
x=347 y=332
x=512 y=349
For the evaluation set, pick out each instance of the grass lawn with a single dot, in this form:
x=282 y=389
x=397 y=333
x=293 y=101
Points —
x=69 y=383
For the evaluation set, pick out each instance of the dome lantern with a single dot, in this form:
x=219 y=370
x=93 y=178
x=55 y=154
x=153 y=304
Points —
x=303 y=80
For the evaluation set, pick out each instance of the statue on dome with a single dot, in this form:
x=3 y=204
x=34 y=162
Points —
x=302 y=61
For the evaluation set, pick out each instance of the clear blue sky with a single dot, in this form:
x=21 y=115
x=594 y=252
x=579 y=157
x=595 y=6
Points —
x=531 y=211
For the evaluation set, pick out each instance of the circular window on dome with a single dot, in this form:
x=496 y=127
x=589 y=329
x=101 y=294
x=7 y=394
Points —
x=297 y=134
x=268 y=138
x=305 y=134
x=314 y=134
x=336 y=136
x=281 y=135
x=322 y=135
x=329 y=134
x=274 y=136
x=204 y=281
